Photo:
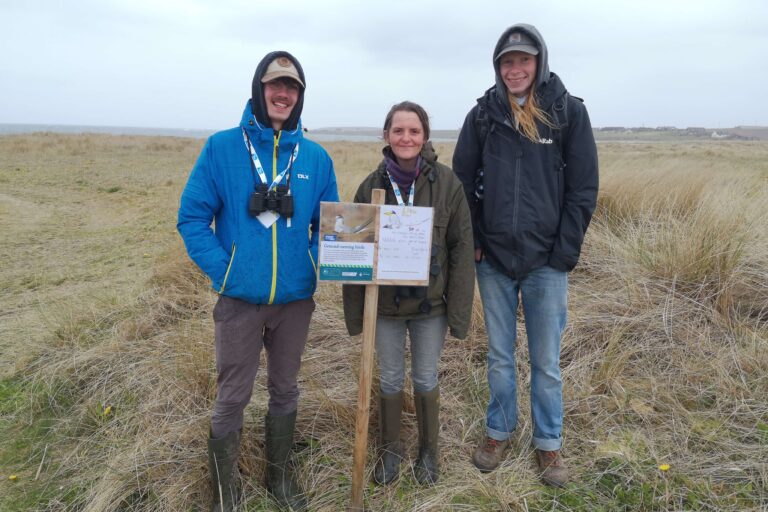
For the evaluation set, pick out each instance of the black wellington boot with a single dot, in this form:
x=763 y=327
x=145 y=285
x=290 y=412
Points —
x=222 y=461
x=281 y=481
x=427 y=412
x=390 y=451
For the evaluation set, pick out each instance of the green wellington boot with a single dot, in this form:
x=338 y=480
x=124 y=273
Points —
x=390 y=451
x=281 y=481
x=222 y=461
x=427 y=412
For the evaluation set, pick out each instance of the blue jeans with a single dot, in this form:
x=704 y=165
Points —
x=544 y=294
x=427 y=339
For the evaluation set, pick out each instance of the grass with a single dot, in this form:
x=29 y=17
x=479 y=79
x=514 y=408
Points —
x=665 y=356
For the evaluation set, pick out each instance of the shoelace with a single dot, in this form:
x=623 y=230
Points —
x=490 y=445
x=550 y=458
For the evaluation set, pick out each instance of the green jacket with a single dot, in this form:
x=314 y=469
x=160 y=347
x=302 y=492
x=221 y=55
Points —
x=452 y=282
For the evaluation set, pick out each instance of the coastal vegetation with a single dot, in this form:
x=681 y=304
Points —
x=106 y=353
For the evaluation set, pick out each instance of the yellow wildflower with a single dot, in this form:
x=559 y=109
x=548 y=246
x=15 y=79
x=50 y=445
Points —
x=664 y=467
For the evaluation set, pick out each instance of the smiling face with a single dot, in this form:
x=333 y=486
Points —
x=406 y=137
x=518 y=70
x=280 y=95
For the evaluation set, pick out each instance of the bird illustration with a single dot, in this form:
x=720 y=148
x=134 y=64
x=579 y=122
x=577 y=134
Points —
x=393 y=220
x=341 y=227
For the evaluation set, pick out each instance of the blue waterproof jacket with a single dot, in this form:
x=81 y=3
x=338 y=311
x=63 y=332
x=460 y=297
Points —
x=244 y=259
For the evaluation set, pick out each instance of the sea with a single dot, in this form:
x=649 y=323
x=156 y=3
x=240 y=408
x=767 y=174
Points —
x=329 y=135
x=10 y=129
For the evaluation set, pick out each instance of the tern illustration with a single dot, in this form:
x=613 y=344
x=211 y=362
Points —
x=393 y=220
x=341 y=227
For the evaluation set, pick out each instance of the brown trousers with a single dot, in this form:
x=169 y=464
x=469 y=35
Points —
x=241 y=330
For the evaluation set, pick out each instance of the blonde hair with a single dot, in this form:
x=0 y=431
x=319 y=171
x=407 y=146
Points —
x=527 y=115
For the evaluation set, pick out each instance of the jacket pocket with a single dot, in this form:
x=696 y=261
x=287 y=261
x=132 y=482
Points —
x=229 y=268
x=501 y=182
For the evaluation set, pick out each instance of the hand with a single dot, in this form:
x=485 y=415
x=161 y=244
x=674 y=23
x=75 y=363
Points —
x=478 y=255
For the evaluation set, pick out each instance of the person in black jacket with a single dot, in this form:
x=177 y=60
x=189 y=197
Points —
x=528 y=162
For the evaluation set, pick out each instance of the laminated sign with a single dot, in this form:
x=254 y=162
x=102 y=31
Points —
x=375 y=244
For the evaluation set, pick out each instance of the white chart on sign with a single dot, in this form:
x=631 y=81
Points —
x=405 y=240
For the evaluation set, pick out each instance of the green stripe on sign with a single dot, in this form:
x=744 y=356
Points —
x=346 y=273
x=336 y=265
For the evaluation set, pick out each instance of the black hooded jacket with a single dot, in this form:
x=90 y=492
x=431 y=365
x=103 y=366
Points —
x=538 y=196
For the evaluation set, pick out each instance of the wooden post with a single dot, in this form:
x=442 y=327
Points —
x=364 y=386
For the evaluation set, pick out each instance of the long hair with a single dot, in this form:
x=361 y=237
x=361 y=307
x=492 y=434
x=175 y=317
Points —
x=527 y=115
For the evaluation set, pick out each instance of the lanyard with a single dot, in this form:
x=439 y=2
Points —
x=398 y=195
x=260 y=169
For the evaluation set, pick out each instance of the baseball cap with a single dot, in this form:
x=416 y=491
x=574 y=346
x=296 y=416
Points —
x=518 y=42
x=281 y=67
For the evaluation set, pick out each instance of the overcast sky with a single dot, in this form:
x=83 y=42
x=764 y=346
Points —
x=189 y=63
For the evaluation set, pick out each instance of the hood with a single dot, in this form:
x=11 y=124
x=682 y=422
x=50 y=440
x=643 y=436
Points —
x=428 y=160
x=497 y=105
x=264 y=132
x=259 y=106
x=428 y=152
x=542 y=64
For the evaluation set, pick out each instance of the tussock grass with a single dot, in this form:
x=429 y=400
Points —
x=665 y=358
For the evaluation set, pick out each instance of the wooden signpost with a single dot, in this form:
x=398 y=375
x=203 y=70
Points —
x=366 y=244
x=364 y=395
x=364 y=384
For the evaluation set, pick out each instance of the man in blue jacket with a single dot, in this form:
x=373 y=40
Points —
x=261 y=183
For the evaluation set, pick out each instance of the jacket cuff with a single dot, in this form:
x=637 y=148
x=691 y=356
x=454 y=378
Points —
x=459 y=333
x=354 y=330
x=558 y=264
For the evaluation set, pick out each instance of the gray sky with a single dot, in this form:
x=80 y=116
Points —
x=189 y=63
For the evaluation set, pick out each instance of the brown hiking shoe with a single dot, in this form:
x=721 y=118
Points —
x=552 y=467
x=488 y=455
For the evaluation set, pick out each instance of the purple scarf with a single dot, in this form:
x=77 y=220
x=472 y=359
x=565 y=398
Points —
x=403 y=178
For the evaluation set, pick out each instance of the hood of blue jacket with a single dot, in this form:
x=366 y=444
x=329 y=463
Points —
x=259 y=106
x=263 y=132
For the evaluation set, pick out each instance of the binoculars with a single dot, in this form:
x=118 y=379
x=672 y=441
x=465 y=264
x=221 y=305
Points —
x=277 y=200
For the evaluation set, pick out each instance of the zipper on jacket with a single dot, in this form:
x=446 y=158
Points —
x=518 y=160
x=312 y=260
x=273 y=289
x=309 y=249
x=229 y=267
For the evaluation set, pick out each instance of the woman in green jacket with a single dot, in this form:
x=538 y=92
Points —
x=411 y=176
